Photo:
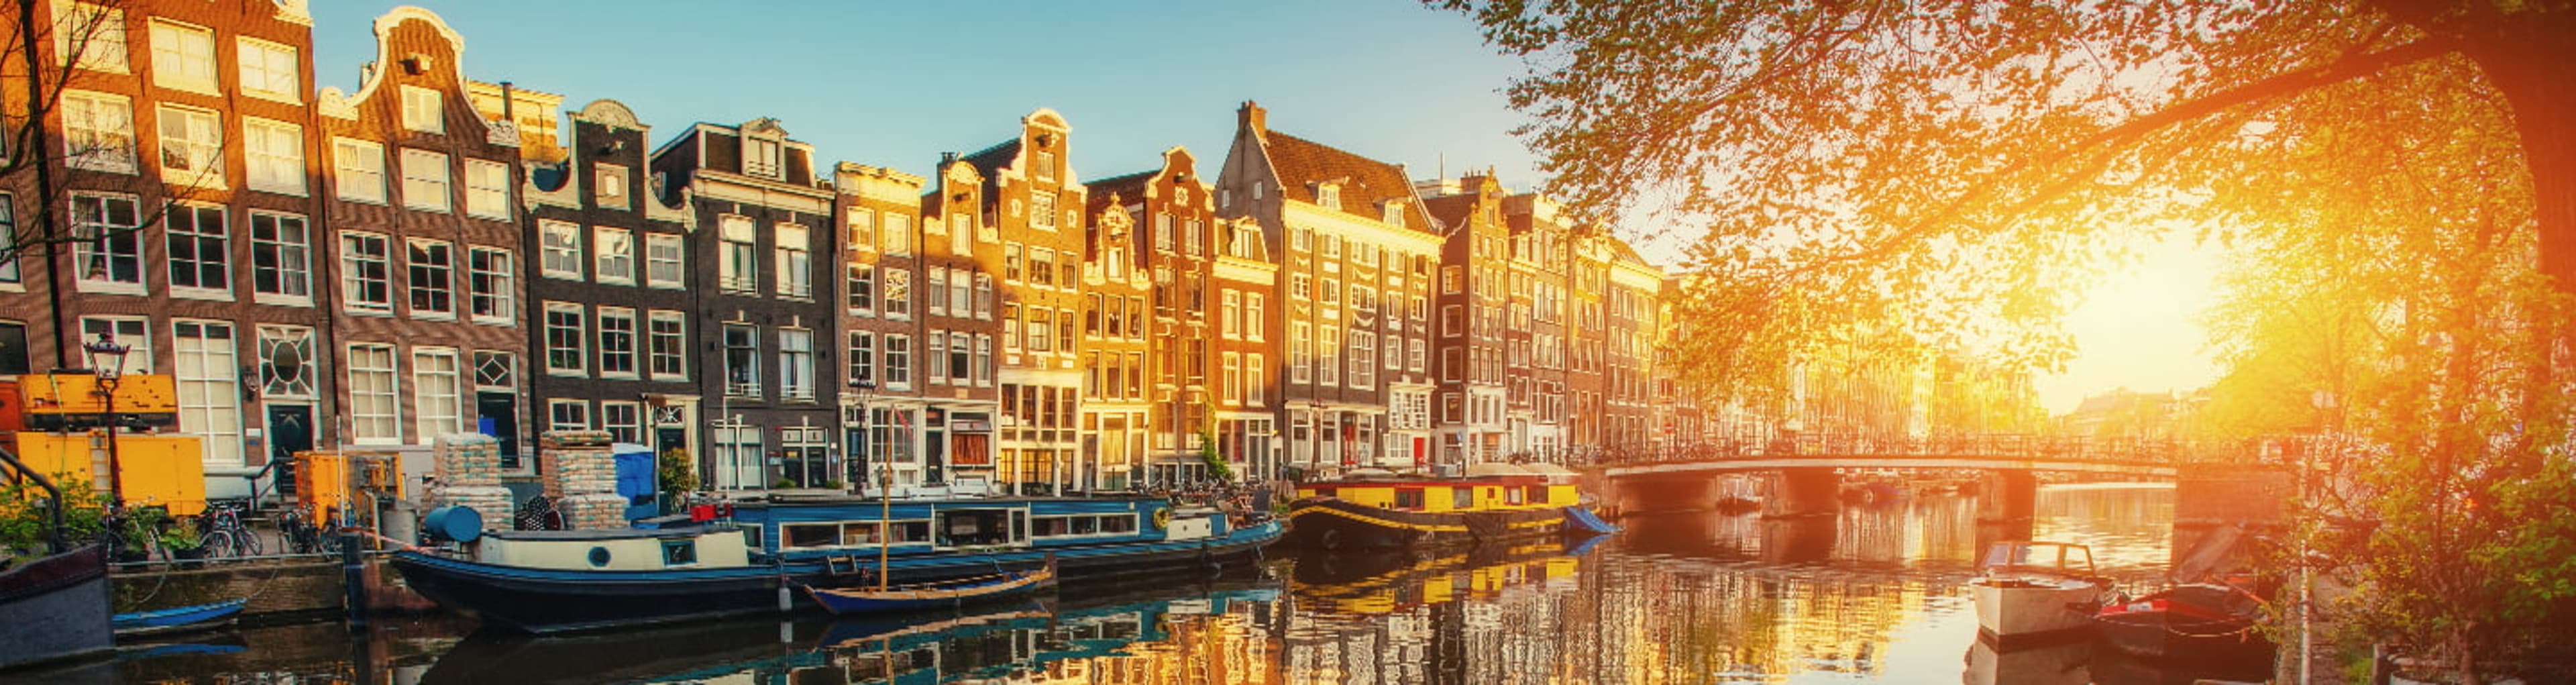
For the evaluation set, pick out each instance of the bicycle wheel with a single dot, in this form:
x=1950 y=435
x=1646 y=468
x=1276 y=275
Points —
x=221 y=543
x=247 y=539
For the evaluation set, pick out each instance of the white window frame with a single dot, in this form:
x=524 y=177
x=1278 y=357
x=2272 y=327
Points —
x=795 y=261
x=183 y=57
x=433 y=417
x=196 y=144
x=608 y=337
x=624 y=421
x=424 y=110
x=567 y=339
x=103 y=49
x=186 y=223
x=487 y=189
x=678 y=337
x=361 y=421
x=290 y=260
x=557 y=419
x=559 y=249
x=352 y=274
x=135 y=332
x=269 y=71
x=358 y=170
x=666 y=261
x=612 y=252
x=427 y=181
x=418 y=286
x=98 y=131
x=738 y=254
x=273 y=156
x=492 y=275
x=123 y=243
x=796 y=378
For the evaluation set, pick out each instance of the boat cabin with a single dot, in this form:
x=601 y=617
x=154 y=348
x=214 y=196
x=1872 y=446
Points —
x=617 y=549
x=2053 y=558
x=1491 y=486
x=838 y=525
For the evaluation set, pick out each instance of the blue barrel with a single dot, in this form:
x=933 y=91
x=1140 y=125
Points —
x=461 y=524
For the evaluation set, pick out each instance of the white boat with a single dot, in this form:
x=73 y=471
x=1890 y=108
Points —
x=2026 y=590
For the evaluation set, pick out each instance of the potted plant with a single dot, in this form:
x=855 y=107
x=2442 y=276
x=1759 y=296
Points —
x=135 y=531
x=185 y=546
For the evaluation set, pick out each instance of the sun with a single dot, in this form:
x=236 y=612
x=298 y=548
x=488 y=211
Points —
x=2139 y=328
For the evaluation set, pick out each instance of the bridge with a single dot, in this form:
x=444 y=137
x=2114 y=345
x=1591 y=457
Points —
x=1806 y=471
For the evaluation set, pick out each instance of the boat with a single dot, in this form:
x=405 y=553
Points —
x=179 y=619
x=2202 y=621
x=919 y=596
x=54 y=608
x=1492 y=502
x=747 y=557
x=2029 y=592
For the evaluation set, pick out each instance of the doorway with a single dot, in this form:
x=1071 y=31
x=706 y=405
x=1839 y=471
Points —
x=497 y=415
x=290 y=430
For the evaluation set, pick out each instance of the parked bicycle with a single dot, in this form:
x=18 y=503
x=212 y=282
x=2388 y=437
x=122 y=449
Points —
x=221 y=531
x=304 y=535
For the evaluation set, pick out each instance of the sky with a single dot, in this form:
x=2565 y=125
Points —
x=897 y=83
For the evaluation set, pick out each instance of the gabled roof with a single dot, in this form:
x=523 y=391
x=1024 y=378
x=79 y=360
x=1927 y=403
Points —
x=1127 y=187
x=989 y=162
x=1450 y=210
x=1365 y=183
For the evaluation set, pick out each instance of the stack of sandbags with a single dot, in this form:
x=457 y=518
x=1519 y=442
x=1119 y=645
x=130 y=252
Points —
x=580 y=476
x=467 y=470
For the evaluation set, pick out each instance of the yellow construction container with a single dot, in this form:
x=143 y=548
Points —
x=76 y=393
x=329 y=481
x=160 y=470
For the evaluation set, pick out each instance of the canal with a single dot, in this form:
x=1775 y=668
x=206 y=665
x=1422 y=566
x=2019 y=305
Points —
x=1874 y=594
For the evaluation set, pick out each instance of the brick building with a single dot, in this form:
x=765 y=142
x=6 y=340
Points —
x=1029 y=223
x=881 y=323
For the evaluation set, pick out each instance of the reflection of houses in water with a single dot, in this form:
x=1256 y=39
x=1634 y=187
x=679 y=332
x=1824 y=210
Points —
x=1464 y=617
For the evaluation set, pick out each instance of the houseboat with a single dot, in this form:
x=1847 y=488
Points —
x=1493 y=502
x=756 y=556
x=2028 y=592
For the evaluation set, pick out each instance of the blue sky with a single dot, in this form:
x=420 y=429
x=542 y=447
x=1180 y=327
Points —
x=895 y=84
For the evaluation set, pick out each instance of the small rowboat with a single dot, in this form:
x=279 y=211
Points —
x=178 y=620
x=947 y=593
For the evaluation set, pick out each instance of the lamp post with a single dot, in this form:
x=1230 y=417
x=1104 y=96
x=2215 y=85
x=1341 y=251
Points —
x=865 y=389
x=107 y=361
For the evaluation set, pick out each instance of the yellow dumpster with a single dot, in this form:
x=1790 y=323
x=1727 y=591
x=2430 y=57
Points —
x=160 y=470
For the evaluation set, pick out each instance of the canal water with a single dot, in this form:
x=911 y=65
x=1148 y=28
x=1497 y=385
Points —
x=1873 y=594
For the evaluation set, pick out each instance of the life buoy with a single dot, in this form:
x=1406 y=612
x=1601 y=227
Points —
x=1162 y=518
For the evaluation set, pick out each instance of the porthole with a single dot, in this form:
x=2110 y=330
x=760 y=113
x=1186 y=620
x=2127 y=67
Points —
x=599 y=556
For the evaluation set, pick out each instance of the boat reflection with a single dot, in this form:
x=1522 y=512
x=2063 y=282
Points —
x=1396 y=581
x=976 y=643
x=2063 y=663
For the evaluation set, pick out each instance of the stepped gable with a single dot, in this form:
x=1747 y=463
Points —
x=1366 y=183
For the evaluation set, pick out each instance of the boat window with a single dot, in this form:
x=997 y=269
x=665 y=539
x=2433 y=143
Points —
x=1049 y=526
x=812 y=534
x=679 y=552
x=1538 y=494
x=1511 y=495
x=1323 y=492
x=1086 y=525
x=974 y=528
x=2078 y=557
x=1462 y=498
x=859 y=533
x=1118 y=524
x=911 y=531
x=1408 y=498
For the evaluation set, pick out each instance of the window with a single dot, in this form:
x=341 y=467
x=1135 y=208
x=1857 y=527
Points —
x=938 y=291
x=281 y=257
x=274 y=151
x=983 y=360
x=961 y=236
x=1011 y=270
x=624 y=421
x=493 y=286
x=861 y=224
x=1042 y=210
x=862 y=289
x=795 y=262
x=1256 y=380
x=109 y=251
x=1329 y=195
x=664 y=265
x=984 y=296
x=669 y=346
x=1252 y=316
x=898 y=234
x=568 y=415
x=1298 y=352
x=286 y=361
x=359 y=170
x=796 y=364
x=616 y=342
x=366 y=273
x=898 y=362
x=192 y=147
x=98 y=130
x=1045 y=164
x=898 y=294
x=1194 y=241
x=614 y=248
x=425 y=180
x=608 y=186
x=1449 y=277
x=560 y=250
x=268 y=70
x=742 y=360
x=487 y=189
x=960 y=359
x=1232 y=382
x=737 y=457
x=863 y=355
x=422 y=110
x=92 y=37
x=1392 y=213
x=937 y=357
x=183 y=57
x=760 y=157
x=565 y=344
x=133 y=331
x=740 y=270
x=432 y=278
x=437 y=393
x=200 y=248
x=8 y=239
x=374 y=407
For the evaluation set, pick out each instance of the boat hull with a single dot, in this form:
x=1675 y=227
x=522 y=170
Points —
x=866 y=600
x=179 y=620
x=2160 y=635
x=1334 y=523
x=55 y=608
x=2012 y=612
x=561 y=601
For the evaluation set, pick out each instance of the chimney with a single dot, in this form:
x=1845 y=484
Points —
x=1252 y=117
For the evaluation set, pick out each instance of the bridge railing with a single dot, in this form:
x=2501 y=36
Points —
x=2143 y=451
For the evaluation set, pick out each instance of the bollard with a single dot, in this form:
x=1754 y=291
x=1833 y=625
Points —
x=353 y=568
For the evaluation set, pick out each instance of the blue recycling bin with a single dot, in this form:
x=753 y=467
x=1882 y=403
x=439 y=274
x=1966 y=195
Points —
x=638 y=480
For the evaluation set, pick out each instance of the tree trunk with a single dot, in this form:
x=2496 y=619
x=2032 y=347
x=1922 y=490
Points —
x=2527 y=60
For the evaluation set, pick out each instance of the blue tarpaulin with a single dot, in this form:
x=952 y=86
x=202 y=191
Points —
x=1579 y=518
x=636 y=480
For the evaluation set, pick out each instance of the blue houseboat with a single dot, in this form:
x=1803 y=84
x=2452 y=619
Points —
x=755 y=560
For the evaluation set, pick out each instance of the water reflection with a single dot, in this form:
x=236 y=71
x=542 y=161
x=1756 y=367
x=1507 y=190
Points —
x=1871 y=594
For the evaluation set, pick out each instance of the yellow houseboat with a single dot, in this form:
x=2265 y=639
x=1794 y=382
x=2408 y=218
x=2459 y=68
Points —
x=1493 y=502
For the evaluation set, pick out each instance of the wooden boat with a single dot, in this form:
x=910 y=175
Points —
x=2031 y=591
x=750 y=561
x=2202 y=621
x=54 y=608
x=918 y=596
x=1493 y=502
x=178 y=619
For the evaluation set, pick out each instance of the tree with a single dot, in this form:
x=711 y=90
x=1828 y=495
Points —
x=1957 y=168
x=48 y=54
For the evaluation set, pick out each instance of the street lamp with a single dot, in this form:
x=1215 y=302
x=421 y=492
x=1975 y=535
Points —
x=107 y=360
x=865 y=389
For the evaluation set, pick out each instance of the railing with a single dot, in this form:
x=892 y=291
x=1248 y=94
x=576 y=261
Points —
x=2140 y=451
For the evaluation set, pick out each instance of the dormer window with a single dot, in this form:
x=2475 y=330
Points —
x=1394 y=212
x=1046 y=166
x=760 y=157
x=423 y=110
x=1328 y=195
x=610 y=186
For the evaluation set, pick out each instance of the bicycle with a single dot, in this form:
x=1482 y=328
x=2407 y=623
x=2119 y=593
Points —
x=223 y=534
x=302 y=536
